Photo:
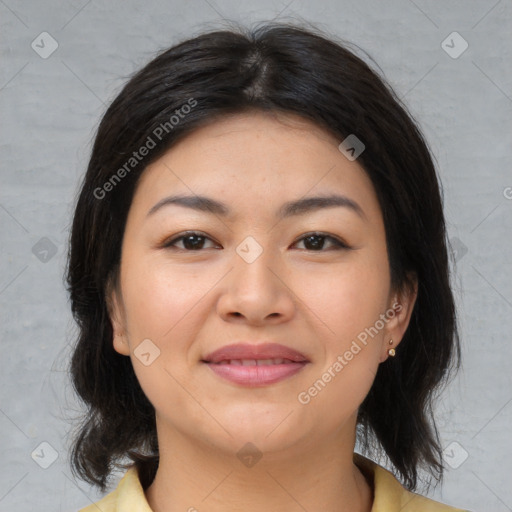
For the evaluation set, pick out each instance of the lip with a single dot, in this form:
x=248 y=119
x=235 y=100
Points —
x=255 y=375
x=252 y=351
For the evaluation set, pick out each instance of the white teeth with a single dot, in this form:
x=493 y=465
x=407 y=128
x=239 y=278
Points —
x=256 y=362
x=264 y=362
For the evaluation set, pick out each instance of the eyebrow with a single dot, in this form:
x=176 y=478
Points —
x=289 y=209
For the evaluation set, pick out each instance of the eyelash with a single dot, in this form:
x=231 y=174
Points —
x=337 y=243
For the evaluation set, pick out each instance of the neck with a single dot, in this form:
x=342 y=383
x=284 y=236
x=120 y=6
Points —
x=193 y=477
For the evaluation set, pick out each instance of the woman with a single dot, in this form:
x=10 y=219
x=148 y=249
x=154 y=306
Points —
x=258 y=267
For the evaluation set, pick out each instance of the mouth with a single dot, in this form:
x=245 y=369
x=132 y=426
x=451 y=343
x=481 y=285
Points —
x=255 y=365
x=255 y=362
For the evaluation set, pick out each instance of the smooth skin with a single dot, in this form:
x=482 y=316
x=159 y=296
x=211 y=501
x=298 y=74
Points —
x=190 y=297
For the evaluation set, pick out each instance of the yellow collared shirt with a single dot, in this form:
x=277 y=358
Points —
x=389 y=495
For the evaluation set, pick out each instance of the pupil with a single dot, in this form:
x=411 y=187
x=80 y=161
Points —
x=316 y=241
x=190 y=244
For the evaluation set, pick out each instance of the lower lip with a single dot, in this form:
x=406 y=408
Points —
x=253 y=376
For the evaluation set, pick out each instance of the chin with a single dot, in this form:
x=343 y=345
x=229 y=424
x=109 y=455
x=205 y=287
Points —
x=270 y=430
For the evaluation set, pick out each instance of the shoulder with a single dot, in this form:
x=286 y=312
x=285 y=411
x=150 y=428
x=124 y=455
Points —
x=391 y=496
x=127 y=497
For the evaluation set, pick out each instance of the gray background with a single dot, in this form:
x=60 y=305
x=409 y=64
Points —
x=50 y=108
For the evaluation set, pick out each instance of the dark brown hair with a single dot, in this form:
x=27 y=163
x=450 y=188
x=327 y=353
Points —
x=280 y=68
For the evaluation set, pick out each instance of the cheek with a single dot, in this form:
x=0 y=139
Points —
x=349 y=304
x=165 y=304
x=162 y=298
x=347 y=300
x=162 y=305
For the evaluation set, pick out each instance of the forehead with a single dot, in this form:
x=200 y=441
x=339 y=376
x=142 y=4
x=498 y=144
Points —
x=256 y=158
x=265 y=122
x=259 y=133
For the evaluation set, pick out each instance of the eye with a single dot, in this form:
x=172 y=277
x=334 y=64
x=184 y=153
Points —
x=316 y=242
x=192 y=241
x=196 y=241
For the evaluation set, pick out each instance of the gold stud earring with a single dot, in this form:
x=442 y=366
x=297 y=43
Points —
x=391 y=351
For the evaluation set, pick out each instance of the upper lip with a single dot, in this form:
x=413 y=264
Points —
x=241 y=351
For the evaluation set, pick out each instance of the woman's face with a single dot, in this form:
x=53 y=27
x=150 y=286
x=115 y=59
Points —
x=313 y=278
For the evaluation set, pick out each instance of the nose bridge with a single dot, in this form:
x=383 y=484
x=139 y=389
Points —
x=254 y=262
x=255 y=289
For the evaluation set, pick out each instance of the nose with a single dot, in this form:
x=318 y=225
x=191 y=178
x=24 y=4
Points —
x=257 y=292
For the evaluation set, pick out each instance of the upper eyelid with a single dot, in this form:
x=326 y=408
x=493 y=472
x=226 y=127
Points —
x=172 y=240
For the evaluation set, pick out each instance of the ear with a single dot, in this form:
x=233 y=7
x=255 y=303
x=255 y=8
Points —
x=399 y=312
x=117 y=318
